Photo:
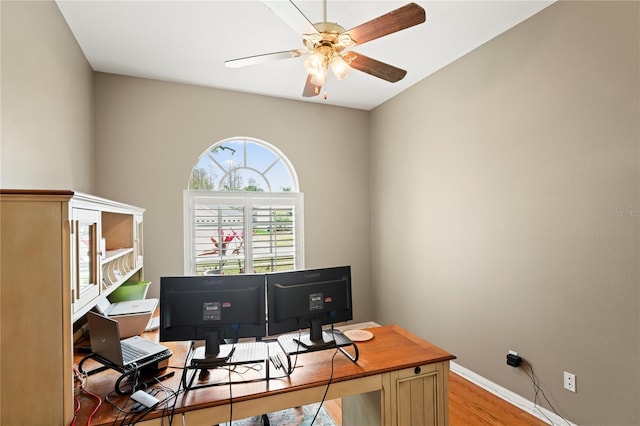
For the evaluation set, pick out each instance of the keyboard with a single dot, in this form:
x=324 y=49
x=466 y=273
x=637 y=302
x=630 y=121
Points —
x=250 y=352
x=131 y=353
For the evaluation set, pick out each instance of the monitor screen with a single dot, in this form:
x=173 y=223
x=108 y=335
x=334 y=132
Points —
x=309 y=299
x=212 y=308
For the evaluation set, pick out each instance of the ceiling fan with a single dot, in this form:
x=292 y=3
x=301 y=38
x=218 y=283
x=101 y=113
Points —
x=326 y=43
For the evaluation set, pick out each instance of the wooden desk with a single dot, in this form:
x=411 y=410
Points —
x=399 y=380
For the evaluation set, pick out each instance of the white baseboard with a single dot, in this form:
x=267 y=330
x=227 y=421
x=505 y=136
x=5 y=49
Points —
x=512 y=398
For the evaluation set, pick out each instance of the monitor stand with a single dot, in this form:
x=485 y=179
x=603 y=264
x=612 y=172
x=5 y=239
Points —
x=298 y=343
x=215 y=354
x=316 y=339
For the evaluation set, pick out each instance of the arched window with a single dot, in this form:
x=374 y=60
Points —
x=243 y=211
x=243 y=165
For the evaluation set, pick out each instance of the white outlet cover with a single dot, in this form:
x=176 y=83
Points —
x=569 y=381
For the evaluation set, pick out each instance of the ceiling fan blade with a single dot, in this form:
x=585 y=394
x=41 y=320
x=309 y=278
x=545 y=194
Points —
x=266 y=57
x=310 y=89
x=292 y=16
x=396 y=20
x=374 y=67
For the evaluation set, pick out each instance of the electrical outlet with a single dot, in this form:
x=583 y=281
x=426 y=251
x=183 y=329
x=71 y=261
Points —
x=569 y=381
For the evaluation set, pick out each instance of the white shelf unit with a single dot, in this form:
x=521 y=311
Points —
x=52 y=273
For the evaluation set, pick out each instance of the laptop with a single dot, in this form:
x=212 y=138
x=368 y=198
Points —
x=135 y=351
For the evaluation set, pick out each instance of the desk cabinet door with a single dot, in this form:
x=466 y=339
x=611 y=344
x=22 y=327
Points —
x=419 y=396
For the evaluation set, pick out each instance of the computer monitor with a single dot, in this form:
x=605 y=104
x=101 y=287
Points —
x=212 y=308
x=308 y=299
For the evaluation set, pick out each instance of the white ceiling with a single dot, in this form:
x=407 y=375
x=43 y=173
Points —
x=188 y=42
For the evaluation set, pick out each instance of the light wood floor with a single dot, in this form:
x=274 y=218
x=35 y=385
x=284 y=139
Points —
x=469 y=404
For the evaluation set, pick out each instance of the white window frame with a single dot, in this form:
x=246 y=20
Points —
x=249 y=200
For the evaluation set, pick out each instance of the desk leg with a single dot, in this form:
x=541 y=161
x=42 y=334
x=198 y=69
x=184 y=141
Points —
x=387 y=404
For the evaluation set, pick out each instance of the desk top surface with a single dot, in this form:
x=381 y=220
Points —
x=392 y=348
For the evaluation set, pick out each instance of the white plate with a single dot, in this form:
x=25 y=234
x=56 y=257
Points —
x=358 y=335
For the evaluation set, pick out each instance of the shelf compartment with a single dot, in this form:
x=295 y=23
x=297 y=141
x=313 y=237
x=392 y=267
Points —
x=119 y=266
x=111 y=255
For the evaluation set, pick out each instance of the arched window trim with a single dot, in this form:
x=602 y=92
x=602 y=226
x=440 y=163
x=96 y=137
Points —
x=280 y=157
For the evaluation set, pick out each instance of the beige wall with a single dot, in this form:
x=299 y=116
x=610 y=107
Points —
x=515 y=171
x=47 y=101
x=150 y=134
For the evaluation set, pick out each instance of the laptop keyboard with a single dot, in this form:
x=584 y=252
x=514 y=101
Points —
x=130 y=353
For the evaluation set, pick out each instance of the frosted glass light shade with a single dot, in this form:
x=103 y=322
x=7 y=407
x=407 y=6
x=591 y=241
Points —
x=340 y=67
x=314 y=63
x=319 y=78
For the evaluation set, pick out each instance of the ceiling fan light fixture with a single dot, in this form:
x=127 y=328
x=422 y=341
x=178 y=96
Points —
x=320 y=77
x=340 y=67
x=326 y=43
x=314 y=63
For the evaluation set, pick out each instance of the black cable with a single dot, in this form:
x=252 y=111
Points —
x=326 y=390
x=113 y=404
x=138 y=415
x=538 y=390
x=257 y=367
x=168 y=392
x=181 y=389
x=295 y=358
x=230 y=398
x=179 y=392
